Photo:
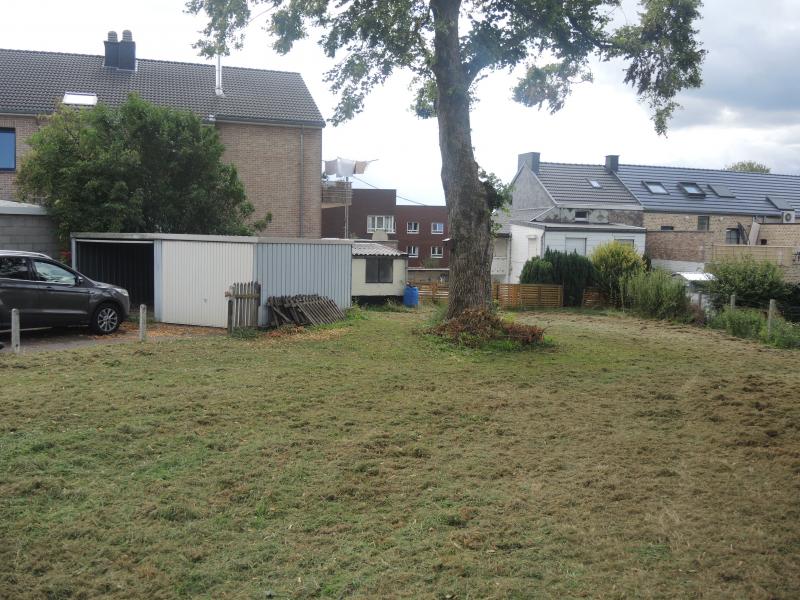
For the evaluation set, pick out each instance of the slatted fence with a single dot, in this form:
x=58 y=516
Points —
x=243 y=301
x=435 y=292
x=592 y=298
x=528 y=295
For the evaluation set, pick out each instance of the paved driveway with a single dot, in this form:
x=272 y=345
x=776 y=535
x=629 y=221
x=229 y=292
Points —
x=67 y=338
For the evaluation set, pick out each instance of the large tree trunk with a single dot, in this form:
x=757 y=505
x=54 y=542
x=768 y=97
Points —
x=467 y=206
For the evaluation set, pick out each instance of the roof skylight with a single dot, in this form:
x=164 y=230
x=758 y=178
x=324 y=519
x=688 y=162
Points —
x=80 y=99
x=692 y=189
x=595 y=184
x=655 y=187
x=722 y=190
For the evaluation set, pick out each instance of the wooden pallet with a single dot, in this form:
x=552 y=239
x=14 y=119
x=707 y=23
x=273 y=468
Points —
x=302 y=310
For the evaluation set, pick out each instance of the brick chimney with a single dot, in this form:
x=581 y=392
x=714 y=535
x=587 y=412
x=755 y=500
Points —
x=127 y=52
x=112 y=51
x=530 y=160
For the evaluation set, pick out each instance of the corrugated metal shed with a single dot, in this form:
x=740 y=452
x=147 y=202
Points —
x=751 y=190
x=191 y=273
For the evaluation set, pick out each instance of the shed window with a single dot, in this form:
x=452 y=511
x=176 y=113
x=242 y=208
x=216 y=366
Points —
x=8 y=149
x=412 y=227
x=380 y=270
x=437 y=228
x=703 y=223
x=654 y=187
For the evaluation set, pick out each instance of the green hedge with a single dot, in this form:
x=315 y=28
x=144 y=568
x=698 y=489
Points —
x=657 y=295
x=572 y=271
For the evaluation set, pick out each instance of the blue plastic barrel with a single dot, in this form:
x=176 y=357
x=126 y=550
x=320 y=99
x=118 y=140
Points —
x=411 y=296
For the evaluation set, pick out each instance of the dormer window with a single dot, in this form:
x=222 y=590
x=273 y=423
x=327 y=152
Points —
x=595 y=184
x=654 y=187
x=692 y=189
x=581 y=215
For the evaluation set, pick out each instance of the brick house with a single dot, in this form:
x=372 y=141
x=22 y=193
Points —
x=694 y=216
x=420 y=231
x=267 y=120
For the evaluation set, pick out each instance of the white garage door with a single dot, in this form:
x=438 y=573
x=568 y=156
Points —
x=195 y=276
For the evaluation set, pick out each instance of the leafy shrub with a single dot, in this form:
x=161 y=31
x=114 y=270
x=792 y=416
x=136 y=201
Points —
x=614 y=263
x=740 y=322
x=572 y=271
x=790 y=305
x=784 y=334
x=753 y=282
x=478 y=327
x=656 y=294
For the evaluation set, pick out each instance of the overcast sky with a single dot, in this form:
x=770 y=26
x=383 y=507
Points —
x=748 y=108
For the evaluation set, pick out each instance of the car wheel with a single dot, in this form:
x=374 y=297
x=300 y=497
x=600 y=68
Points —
x=106 y=319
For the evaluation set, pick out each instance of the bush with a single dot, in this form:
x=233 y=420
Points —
x=657 y=295
x=572 y=271
x=755 y=283
x=784 y=334
x=615 y=263
x=478 y=327
x=740 y=322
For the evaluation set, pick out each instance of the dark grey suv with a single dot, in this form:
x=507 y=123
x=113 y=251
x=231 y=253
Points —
x=49 y=294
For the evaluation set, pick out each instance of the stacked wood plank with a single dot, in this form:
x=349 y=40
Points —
x=302 y=310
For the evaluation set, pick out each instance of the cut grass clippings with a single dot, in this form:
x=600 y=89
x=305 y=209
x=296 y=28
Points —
x=639 y=460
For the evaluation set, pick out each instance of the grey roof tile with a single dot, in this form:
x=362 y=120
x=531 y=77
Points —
x=569 y=184
x=35 y=82
x=375 y=249
x=752 y=190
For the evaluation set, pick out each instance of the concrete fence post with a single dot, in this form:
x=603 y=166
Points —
x=733 y=301
x=770 y=316
x=15 y=345
x=142 y=322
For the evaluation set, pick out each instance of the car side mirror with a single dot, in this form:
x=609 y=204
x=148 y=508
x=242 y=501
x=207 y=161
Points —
x=79 y=280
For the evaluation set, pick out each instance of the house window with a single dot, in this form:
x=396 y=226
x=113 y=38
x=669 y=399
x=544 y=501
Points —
x=576 y=245
x=413 y=251
x=380 y=270
x=595 y=184
x=703 y=223
x=667 y=228
x=626 y=241
x=412 y=227
x=581 y=215
x=437 y=252
x=437 y=228
x=693 y=190
x=8 y=149
x=732 y=236
x=380 y=223
x=654 y=187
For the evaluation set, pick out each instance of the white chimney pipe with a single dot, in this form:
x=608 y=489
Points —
x=218 y=90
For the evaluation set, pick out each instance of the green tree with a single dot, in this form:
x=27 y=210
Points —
x=748 y=166
x=614 y=263
x=134 y=168
x=570 y=270
x=449 y=45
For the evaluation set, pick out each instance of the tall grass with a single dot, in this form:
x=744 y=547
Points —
x=657 y=295
x=752 y=324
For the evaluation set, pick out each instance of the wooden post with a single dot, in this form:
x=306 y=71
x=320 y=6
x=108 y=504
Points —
x=15 y=345
x=733 y=301
x=230 y=316
x=770 y=316
x=142 y=322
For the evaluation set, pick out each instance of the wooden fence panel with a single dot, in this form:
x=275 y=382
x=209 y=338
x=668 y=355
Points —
x=530 y=295
x=592 y=298
x=243 y=302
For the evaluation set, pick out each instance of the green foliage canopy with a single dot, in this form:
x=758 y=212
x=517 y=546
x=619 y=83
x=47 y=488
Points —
x=754 y=282
x=134 y=168
x=748 y=166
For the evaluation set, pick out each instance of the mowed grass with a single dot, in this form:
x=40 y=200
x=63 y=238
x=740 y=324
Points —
x=632 y=459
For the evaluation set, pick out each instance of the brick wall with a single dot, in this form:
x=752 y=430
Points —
x=780 y=235
x=29 y=232
x=268 y=161
x=424 y=240
x=365 y=202
x=24 y=128
x=686 y=242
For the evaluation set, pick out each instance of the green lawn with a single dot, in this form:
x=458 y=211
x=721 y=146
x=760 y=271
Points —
x=632 y=459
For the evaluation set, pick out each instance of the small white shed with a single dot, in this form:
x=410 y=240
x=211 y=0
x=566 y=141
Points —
x=380 y=272
x=184 y=277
